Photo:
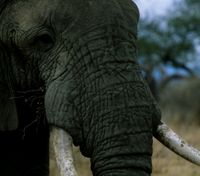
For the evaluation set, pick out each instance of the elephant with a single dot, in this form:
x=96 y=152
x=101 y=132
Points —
x=72 y=65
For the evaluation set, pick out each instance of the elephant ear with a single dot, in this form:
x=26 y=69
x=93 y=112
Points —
x=8 y=110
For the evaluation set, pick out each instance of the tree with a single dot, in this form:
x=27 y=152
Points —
x=170 y=40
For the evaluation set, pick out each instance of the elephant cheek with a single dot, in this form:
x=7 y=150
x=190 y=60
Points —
x=61 y=111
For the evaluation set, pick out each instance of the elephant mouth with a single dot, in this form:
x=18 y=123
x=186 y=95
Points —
x=24 y=112
x=61 y=143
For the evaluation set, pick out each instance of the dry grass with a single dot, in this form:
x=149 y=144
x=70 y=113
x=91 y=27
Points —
x=165 y=163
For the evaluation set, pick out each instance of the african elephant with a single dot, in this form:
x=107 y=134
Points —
x=72 y=65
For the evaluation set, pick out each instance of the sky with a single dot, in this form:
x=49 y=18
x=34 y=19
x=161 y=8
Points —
x=153 y=7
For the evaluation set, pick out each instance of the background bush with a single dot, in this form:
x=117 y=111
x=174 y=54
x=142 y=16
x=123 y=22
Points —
x=180 y=100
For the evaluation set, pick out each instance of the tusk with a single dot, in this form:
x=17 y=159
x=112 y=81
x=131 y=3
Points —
x=61 y=143
x=175 y=143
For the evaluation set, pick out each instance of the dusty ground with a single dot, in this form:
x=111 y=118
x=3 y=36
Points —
x=165 y=163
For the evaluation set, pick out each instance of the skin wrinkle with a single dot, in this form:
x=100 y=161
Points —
x=108 y=120
x=104 y=92
x=96 y=64
x=83 y=56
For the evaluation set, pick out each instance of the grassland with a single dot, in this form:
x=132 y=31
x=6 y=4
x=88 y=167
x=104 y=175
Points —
x=165 y=163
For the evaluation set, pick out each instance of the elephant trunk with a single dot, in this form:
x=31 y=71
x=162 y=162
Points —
x=116 y=109
x=107 y=107
x=103 y=102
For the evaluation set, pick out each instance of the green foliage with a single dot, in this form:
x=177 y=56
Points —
x=171 y=39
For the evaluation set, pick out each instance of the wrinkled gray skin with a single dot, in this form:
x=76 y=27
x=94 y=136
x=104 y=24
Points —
x=79 y=57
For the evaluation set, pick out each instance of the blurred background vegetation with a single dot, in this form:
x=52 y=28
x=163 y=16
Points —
x=169 y=54
x=169 y=50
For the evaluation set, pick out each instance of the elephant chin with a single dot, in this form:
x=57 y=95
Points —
x=61 y=143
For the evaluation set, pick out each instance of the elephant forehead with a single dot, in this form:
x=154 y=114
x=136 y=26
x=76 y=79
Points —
x=28 y=14
x=60 y=14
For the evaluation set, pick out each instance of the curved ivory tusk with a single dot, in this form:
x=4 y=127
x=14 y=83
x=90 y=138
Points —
x=61 y=143
x=175 y=143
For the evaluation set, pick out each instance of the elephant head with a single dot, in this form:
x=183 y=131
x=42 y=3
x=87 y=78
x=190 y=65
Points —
x=74 y=64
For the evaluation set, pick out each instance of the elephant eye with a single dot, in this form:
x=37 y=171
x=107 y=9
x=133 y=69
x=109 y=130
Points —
x=43 y=42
